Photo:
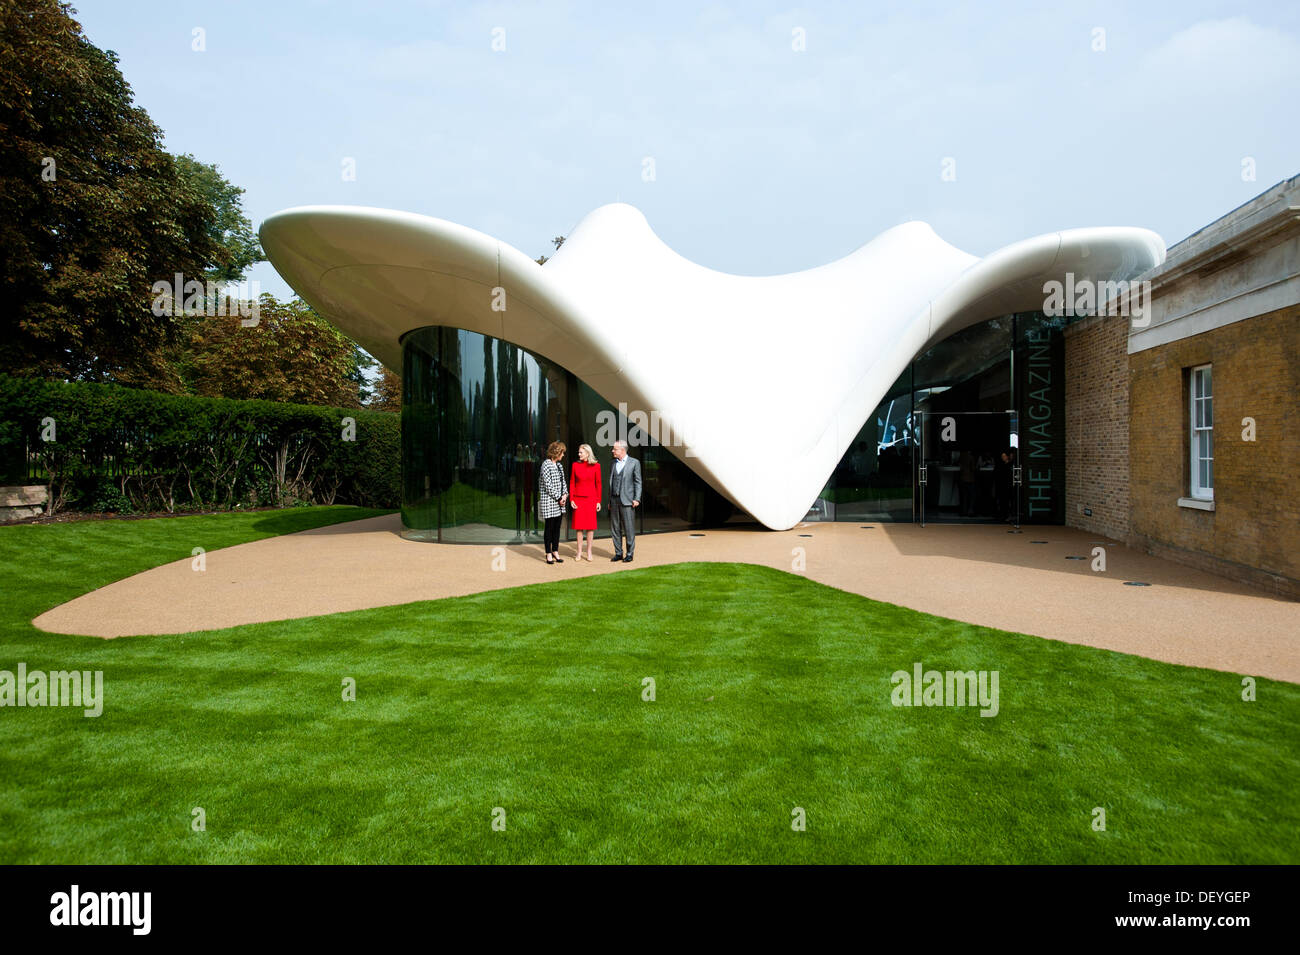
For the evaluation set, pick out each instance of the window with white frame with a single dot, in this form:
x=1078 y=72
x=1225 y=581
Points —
x=1201 y=418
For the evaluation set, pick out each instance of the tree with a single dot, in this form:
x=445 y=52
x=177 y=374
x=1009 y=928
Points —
x=292 y=354
x=165 y=366
x=386 y=395
x=359 y=375
x=557 y=242
x=93 y=211
x=231 y=232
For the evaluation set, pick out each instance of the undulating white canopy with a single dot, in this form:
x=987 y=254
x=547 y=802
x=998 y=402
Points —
x=759 y=384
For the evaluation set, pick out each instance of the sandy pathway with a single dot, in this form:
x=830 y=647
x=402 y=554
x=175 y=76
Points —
x=978 y=574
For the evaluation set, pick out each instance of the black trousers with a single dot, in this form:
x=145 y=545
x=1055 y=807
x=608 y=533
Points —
x=551 y=536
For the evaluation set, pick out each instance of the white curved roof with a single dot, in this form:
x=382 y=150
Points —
x=767 y=379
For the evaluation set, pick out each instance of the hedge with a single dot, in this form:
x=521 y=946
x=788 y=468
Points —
x=106 y=447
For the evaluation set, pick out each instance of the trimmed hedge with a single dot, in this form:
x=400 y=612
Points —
x=106 y=447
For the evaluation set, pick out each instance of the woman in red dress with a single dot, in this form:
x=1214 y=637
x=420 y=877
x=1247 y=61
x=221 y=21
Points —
x=584 y=495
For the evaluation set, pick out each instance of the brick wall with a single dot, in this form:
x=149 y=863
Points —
x=1253 y=535
x=1097 y=426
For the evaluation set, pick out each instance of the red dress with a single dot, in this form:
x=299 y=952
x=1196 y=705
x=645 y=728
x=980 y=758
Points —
x=584 y=491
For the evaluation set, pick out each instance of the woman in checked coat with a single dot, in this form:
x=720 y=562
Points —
x=552 y=495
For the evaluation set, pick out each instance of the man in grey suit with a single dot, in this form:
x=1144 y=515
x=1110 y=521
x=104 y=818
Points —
x=624 y=499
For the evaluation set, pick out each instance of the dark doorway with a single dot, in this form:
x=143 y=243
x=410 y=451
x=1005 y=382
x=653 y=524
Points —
x=964 y=471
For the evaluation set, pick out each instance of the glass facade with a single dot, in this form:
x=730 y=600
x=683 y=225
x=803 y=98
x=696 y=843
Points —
x=477 y=416
x=964 y=414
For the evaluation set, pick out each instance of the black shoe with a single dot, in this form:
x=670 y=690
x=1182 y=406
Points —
x=616 y=558
x=558 y=560
x=627 y=559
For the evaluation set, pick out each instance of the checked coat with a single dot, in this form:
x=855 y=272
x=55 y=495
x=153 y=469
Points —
x=550 y=489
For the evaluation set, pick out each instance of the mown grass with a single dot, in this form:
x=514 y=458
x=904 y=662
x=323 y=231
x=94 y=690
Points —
x=771 y=692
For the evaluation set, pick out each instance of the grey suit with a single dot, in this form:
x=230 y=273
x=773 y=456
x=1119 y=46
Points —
x=623 y=490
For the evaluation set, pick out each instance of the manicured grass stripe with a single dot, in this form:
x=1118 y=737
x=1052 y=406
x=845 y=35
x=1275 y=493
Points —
x=771 y=692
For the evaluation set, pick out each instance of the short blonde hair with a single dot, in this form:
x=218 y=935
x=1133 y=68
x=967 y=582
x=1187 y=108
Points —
x=556 y=450
x=591 y=455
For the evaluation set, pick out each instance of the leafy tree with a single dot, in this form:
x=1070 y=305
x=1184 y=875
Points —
x=93 y=211
x=231 y=232
x=359 y=375
x=292 y=354
x=386 y=394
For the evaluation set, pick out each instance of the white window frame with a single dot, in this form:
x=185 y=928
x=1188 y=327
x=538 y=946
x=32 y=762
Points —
x=1198 y=431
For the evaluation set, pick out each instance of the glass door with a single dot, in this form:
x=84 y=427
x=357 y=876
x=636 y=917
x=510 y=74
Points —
x=966 y=467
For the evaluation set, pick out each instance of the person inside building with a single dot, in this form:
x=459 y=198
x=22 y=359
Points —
x=1002 y=485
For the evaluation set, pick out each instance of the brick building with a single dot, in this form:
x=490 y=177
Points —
x=1183 y=427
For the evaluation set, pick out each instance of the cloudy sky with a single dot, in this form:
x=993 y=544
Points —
x=779 y=137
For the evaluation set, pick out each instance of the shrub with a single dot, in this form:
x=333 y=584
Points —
x=171 y=452
x=106 y=497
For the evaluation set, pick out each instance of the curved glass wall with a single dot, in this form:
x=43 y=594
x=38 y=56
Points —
x=477 y=416
x=994 y=387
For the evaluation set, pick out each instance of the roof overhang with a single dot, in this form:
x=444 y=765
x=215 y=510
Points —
x=760 y=384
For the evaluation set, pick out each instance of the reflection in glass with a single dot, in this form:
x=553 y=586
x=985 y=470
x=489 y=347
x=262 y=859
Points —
x=962 y=393
x=999 y=387
x=874 y=479
x=477 y=416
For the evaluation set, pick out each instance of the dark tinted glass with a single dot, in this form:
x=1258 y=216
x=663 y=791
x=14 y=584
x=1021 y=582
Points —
x=477 y=417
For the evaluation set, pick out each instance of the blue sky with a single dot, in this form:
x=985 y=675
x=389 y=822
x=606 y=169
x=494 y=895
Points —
x=767 y=158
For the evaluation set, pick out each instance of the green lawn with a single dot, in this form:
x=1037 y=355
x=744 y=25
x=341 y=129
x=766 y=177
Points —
x=772 y=692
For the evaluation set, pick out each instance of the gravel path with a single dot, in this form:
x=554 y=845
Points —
x=979 y=574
